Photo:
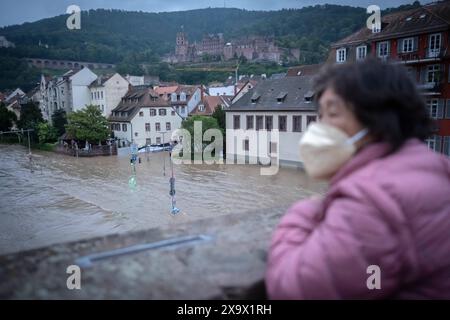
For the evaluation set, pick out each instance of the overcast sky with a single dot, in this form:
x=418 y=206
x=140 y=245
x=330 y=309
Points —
x=19 y=11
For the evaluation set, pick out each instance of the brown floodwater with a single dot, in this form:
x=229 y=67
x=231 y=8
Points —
x=62 y=198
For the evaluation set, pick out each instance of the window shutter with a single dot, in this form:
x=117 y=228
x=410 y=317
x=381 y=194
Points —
x=440 y=111
x=446 y=149
x=438 y=142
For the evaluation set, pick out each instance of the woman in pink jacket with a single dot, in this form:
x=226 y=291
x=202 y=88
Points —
x=382 y=231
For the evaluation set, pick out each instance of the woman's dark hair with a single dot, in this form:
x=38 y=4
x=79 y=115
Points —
x=383 y=97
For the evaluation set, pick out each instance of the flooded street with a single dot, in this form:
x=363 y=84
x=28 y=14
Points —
x=66 y=198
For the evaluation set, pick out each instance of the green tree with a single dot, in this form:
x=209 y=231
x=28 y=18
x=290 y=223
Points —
x=59 y=120
x=30 y=117
x=207 y=123
x=219 y=115
x=88 y=124
x=46 y=133
x=7 y=118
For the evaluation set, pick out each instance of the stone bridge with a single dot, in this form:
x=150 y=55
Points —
x=67 y=64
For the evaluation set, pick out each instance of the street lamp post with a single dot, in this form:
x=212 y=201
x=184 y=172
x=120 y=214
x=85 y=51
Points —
x=164 y=157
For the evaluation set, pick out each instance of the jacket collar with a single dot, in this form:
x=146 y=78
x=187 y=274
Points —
x=366 y=154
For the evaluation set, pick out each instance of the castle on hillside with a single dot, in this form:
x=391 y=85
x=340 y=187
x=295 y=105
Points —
x=213 y=46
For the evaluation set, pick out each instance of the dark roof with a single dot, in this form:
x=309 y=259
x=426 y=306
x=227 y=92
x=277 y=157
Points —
x=278 y=75
x=134 y=100
x=428 y=18
x=100 y=81
x=290 y=90
x=305 y=70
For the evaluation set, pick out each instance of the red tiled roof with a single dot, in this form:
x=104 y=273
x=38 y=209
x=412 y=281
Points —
x=166 y=90
x=210 y=103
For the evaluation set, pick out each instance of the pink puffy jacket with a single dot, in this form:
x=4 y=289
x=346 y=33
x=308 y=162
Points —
x=389 y=211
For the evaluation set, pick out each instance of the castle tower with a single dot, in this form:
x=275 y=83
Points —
x=182 y=43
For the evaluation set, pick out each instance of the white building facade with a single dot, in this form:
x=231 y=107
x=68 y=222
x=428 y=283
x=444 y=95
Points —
x=222 y=91
x=81 y=93
x=268 y=122
x=143 y=118
x=107 y=93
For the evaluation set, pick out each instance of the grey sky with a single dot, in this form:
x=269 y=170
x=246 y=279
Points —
x=19 y=11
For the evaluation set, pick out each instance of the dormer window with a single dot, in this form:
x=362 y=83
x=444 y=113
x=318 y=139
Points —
x=201 y=108
x=255 y=97
x=281 y=97
x=309 y=96
x=173 y=97
x=341 y=55
x=183 y=96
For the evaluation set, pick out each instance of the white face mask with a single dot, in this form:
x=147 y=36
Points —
x=324 y=149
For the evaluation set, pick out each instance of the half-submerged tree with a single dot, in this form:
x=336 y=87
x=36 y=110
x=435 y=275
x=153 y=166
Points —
x=88 y=124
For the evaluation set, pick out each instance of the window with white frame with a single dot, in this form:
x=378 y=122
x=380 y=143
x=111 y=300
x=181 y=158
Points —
x=383 y=49
x=201 y=108
x=431 y=143
x=434 y=45
x=446 y=146
x=341 y=55
x=432 y=106
x=361 y=52
x=408 y=45
x=433 y=72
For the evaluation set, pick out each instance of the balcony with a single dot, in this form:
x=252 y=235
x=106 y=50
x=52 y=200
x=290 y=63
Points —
x=430 y=88
x=431 y=55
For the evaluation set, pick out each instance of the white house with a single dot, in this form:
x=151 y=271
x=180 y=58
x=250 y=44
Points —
x=81 y=93
x=185 y=98
x=107 y=92
x=4 y=43
x=144 y=118
x=284 y=104
x=56 y=94
x=222 y=91
x=18 y=93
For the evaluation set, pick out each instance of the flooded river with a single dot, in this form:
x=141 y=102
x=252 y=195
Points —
x=64 y=198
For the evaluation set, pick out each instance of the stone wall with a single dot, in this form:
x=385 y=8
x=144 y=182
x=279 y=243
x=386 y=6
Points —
x=95 y=151
x=230 y=266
